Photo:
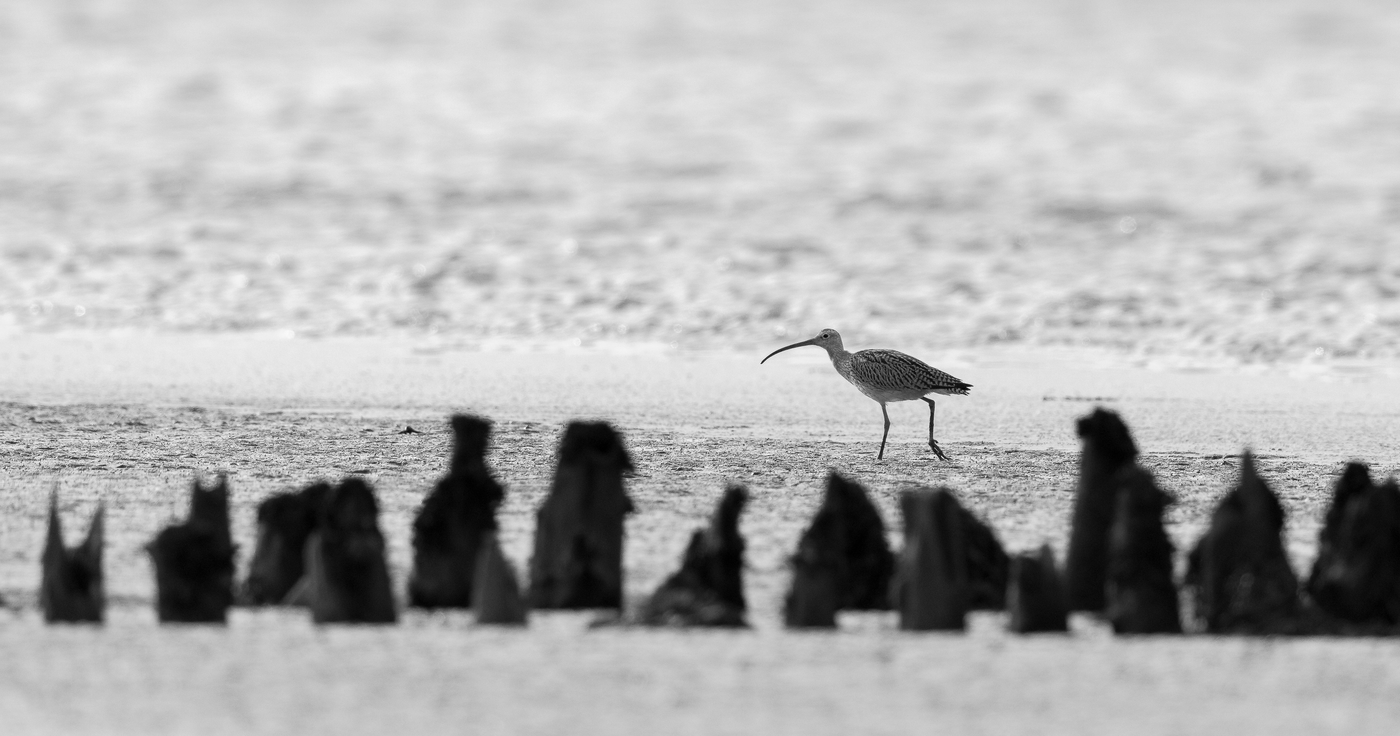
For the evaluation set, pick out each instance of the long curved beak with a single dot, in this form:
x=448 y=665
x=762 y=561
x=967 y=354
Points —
x=790 y=347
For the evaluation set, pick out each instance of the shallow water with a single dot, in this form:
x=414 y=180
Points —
x=1202 y=179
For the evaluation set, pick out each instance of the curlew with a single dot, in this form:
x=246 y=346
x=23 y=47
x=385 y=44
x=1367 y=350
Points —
x=885 y=376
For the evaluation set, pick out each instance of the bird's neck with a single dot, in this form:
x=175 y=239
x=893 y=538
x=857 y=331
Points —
x=840 y=359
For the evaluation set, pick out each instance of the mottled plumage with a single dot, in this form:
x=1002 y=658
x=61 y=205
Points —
x=889 y=375
x=885 y=376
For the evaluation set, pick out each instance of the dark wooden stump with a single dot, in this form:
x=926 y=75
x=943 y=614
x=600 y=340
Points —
x=1356 y=576
x=850 y=535
x=1035 y=598
x=454 y=519
x=347 y=577
x=285 y=523
x=708 y=590
x=1141 y=590
x=577 y=562
x=495 y=590
x=71 y=588
x=1108 y=448
x=814 y=597
x=1238 y=573
x=931 y=589
x=988 y=566
x=194 y=560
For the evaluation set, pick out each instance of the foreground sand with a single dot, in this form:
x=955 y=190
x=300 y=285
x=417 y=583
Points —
x=130 y=419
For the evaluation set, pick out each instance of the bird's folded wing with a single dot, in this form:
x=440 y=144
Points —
x=891 y=369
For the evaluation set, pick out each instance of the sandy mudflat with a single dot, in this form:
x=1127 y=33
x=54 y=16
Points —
x=129 y=419
x=260 y=237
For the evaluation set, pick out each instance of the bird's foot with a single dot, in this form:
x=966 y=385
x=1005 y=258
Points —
x=933 y=444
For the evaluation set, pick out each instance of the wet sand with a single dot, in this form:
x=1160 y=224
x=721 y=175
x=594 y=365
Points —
x=129 y=418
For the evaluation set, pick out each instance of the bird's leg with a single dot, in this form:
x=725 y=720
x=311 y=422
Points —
x=933 y=443
x=886 y=436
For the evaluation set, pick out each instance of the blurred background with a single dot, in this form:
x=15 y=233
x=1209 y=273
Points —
x=1217 y=180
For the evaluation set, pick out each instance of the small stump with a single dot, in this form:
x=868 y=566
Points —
x=708 y=590
x=194 y=560
x=1035 y=597
x=71 y=589
x=577 y=562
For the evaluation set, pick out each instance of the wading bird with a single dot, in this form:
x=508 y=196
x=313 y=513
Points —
x=885 y=376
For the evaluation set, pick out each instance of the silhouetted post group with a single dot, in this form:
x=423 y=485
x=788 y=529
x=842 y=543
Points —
x=322 y=548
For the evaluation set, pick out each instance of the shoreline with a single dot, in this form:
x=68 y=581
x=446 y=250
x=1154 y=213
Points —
x=1021 y=398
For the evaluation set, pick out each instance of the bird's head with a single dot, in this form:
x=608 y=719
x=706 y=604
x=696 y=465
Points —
x=828 y=339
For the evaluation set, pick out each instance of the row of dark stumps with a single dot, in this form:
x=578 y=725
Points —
x=321 y=548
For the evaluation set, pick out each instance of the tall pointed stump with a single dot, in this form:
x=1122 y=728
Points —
x=577 y=562
x=1238 y=573
x=817 y=571
x=988 y=565
x=71 y=588
x=1108 y=448
x=1141 y=590
x=931 y=589
x=708 y=590
x=454 y=519
x=846 y=540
